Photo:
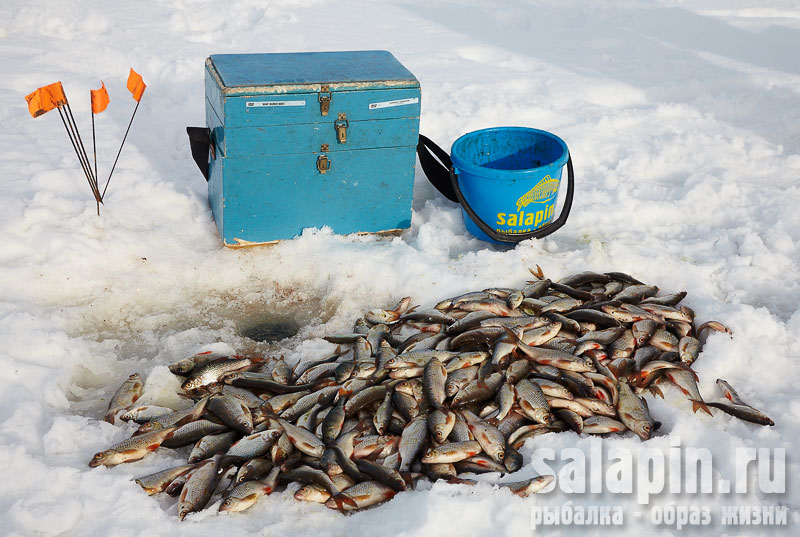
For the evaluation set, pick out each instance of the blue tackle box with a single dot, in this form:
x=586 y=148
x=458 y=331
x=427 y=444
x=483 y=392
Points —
x=313 y=139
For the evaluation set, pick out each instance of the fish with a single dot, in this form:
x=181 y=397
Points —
x=192 y=432
x=199 y=486
x=491 y=440
x=633 y=411
x=333 y=422
x=602 y=425
x=532 y=401
x=428 y=393
x=412 y=441
x=143 y=414
x=452 y=452
x=434 y=379
x=159 y=481
x=686 y=383
x=303 y=440
x=125 y=396
x=478 y=390
x=743 y=412
x=381 y=473
x=232 y=411
x=245 y=495
x=360 y=496
x=185 y=366
x=254 y=469
x=211 y=372
x=254 y=445
x=525 y=488
x=307 y=474
x=441 y=423
x=180 y=417
x=212 y=444
x=132 y=449
x=730 y=393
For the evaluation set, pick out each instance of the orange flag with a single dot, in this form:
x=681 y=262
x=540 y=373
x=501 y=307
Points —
x=136 y=85
x=99 y=98
x=45 y=99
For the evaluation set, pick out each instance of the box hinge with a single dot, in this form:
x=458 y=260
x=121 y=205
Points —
x=324 y=98
x=323 y=164
x=341 y=125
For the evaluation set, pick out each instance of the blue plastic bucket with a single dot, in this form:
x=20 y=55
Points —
x=507 y=180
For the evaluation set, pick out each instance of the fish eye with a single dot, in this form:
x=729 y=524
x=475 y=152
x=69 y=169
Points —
x=501 y=455
x=100 y=456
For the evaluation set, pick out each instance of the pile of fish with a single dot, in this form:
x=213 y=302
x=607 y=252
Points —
x=424 y=394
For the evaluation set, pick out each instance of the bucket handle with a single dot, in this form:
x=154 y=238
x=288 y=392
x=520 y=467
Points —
x=437 y=173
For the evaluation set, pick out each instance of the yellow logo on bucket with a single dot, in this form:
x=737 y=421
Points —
x=523 y=219
x=543 y=190
x=539 y=194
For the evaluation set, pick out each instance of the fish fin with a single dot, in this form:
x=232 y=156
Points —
x=537 y=273
x=152 y=447
x=514 y=337
x=412 y=309
x=341 y=500
x=698 y=405
x=655 y=390
x=183 y=421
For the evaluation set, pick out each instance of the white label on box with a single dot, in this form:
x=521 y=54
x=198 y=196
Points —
x=396 y=102
x=271 y=104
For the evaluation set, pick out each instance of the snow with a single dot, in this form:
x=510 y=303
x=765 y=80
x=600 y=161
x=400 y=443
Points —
x=684 y=123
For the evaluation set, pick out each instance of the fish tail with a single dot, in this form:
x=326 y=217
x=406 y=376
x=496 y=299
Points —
x=700 y=405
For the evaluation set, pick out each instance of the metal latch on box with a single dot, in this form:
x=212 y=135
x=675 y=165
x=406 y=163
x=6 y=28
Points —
x=341 y=128
x=323 y=162
x=324 y=98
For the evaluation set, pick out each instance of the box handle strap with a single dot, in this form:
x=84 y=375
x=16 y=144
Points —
x=200 y=144
x=437 y=171
x=444 y=178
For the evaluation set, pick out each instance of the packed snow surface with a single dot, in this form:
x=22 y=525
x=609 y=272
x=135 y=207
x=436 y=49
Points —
x=683 y=119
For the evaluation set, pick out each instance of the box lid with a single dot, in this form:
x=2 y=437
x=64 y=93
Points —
x=300 y=72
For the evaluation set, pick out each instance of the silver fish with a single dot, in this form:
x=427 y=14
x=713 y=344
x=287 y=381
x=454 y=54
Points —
x=125 y=397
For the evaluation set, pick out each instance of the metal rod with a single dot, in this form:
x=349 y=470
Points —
x=80 y=144
x=94 y=147
x=81 y=154
x=77 y=153
x=120 y=149
x=94 y=150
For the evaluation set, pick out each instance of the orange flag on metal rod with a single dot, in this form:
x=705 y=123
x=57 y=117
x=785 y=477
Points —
x=45 y=99
x=136 y=85
x=99 y=99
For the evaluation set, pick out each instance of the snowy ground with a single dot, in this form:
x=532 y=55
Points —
x=683 y=119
